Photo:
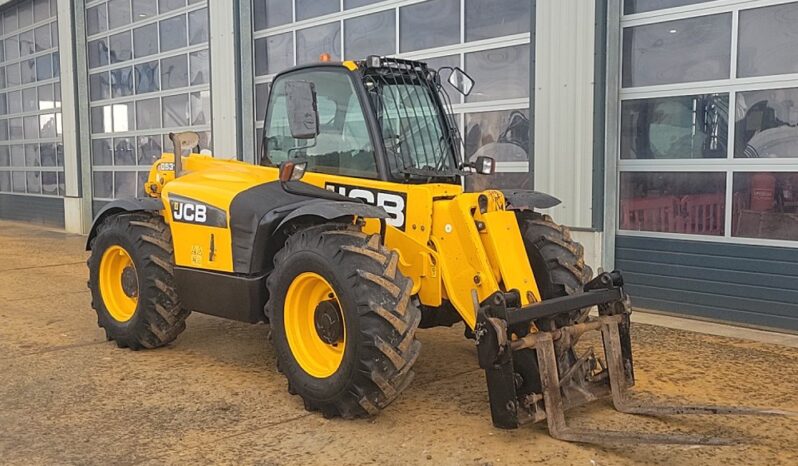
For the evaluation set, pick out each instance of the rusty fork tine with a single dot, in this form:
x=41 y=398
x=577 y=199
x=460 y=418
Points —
x=558 y=427
x=664 y=410
x=620 y=437
x=612 y=350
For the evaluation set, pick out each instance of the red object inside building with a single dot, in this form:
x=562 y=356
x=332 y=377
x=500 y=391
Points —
x=763 y=191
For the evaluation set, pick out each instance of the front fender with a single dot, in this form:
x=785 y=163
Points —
x=258 y=249
x=137 y=204
x=524 y=199
x=331 y=210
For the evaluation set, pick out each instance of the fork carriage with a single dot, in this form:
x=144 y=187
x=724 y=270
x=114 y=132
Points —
x=589 y=378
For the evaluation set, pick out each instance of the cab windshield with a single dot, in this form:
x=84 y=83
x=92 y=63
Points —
x=419 y=139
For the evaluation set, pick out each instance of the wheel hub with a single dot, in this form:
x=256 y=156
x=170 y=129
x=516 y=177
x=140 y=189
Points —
x=119 y=285
x=328 y=323
x=314 y=325
x=130 y=283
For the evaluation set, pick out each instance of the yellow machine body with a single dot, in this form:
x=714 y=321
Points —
x=455 y=246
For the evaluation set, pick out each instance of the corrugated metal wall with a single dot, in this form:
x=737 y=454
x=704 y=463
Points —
x=563 y=103
x=754 y=285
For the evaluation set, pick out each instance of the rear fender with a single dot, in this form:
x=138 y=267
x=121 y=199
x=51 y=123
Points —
x=137 y=204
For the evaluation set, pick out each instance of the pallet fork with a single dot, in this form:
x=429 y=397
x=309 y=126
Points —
x=581 y=379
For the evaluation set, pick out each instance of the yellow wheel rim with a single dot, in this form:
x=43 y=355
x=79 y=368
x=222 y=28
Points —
x=118 y=283
x=315 y=338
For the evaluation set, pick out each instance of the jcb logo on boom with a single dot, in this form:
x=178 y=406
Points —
x=393 y=202
x=187 y=210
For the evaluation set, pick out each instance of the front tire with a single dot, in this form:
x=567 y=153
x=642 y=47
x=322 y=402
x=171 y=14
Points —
x=557 y=261
x=560 y=270
x=132 y=283
x=342 y=321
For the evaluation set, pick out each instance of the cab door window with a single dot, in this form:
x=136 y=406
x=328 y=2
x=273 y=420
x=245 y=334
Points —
x=343 y=146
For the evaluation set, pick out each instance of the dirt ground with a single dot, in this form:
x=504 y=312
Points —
x=214 y=396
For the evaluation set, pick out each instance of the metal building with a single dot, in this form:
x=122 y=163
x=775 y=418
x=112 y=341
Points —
x=667 y=127
x=702 y=139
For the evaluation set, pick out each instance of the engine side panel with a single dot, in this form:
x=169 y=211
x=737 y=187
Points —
x=198 y=210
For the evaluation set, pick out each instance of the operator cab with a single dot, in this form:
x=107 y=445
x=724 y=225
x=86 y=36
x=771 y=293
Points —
x=381 y=118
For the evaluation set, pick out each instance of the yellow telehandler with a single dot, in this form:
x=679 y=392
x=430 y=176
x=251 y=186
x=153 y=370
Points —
x=353 y=231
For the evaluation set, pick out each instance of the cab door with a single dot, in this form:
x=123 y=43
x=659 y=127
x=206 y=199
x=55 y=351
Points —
x=344 y=145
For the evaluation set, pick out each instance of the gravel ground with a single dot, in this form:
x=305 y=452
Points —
x=214 y=396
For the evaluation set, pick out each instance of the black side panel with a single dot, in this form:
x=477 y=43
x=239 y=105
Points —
x=235 y=297
x=258 y=215
x=254 y=216
x=35 y=209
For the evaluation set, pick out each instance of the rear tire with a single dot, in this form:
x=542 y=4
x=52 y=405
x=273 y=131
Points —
x=149 y=315
x=371 y=298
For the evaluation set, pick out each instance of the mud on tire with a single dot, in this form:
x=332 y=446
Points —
x=158 y=318
x=379 y=317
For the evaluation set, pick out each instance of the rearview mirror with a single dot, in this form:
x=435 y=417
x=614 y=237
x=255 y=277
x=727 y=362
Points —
x=303 y=115
x=461 y=81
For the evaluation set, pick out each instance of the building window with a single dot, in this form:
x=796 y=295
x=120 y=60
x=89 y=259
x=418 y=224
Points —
x=313 y=42
x=31 y=144
x=148 y=75
x=767 y=124
x=271 y=13
x=687 y=50
x=673 y=202
x=686 y=168
x=373 y=34
x=679 y=127
x=495 y=118
x=435 y=23
x=766 y=45
x=486 y=19
x=765 y=205
x=501 y=73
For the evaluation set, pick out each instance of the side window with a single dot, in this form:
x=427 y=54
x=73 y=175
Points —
x=277 y=135
x=343 y=146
